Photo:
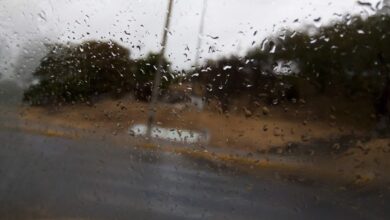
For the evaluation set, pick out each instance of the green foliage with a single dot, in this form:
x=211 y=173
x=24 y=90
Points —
x=78 y=73
x=349 y=57
x=343 y=54
x=234 y=78
x=339 y=59
x=144 y=75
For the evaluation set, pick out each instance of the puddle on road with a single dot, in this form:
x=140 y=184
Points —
x=171 y=134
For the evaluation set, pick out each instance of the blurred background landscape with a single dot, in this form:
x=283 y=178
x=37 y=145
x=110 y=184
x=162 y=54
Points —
x=212 y=109
x=320 y=81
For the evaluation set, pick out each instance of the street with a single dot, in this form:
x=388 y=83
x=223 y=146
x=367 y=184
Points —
x=57 y=178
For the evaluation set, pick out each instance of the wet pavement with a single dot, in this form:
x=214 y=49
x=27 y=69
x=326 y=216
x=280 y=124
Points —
x=93 y=178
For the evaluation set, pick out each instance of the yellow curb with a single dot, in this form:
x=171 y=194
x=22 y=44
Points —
x=252 y=165
x=243 y=163
x=53 y=133
x=46 y=132
x=238 y=160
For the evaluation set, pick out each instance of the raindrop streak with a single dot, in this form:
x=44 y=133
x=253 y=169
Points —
x=42 y=16
x=317 y=22
x=272 y=47
x=227 y=67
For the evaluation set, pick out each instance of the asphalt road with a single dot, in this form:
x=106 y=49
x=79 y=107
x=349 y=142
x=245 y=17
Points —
x=56 y=178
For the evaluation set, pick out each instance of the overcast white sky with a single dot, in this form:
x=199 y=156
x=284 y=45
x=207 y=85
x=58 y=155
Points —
x=28 y=22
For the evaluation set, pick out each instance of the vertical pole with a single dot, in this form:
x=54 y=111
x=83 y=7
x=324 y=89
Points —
x=201 y=30
x=160 y=69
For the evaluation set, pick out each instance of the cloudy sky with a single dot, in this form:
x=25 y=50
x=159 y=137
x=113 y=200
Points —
x=25 y=24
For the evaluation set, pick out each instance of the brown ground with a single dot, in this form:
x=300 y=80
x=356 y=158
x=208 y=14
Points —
x=240 y=129
x=365 y=161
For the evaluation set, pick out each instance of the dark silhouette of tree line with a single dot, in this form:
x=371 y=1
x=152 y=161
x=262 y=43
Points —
x=348 y=58
x=81 y=72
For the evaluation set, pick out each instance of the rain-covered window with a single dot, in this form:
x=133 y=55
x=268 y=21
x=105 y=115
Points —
x=194 y=109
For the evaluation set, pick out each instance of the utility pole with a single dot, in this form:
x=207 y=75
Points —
x=160 y=69
x=201 y=30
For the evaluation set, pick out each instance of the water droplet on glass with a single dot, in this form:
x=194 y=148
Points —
x=42 y=16
x=317 y=22
x=272 y=47
x=227 y=67
x=360 y=32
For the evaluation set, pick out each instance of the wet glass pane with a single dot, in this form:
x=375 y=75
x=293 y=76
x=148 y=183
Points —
x=196 y=109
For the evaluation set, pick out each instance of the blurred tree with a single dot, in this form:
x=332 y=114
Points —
x=342 y=58
x=144 y=76
x=77 y=73
x=339 y=52
x=70 y=73
x=251 y=78
x=339 y=59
